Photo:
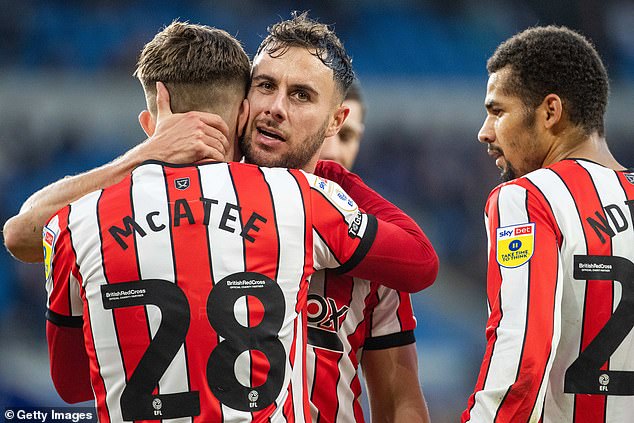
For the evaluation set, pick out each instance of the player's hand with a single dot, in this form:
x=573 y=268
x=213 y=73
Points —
x=185 y=137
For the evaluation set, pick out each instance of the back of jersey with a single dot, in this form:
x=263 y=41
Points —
x=195 y=282
x=592 y=377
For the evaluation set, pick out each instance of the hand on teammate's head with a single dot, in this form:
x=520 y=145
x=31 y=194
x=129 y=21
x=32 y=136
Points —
x=183 y=138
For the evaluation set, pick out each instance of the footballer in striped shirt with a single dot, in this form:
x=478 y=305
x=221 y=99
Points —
x=356 y=323
x=560 y=284
x=191 y=281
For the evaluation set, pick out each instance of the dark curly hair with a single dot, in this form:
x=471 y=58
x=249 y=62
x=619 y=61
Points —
x=556 y=60
x=318 y=38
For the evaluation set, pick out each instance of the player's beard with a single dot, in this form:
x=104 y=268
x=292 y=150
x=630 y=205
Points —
x=529 y=145
x=508 y=173
x=296 y=157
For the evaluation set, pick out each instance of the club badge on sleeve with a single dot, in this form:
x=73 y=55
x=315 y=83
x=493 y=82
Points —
x=515 y=244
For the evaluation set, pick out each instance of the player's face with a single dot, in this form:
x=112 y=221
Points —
x=294 y=105
x=509 y=130
x=343 y=147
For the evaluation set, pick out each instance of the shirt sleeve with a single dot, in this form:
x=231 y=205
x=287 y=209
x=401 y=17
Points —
x=342 y=234
x=392 y=321
x=524 y=299
x=64 y=303
x=69 y=363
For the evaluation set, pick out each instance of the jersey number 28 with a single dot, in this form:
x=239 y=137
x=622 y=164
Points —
x=138 y=401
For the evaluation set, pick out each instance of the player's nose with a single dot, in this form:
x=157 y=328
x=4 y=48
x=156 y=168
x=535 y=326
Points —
x=277 y=106
x=486 y=134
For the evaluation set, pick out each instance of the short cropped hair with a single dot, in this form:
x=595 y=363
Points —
x=318 y=38
x=556 y=60
x=203 y=67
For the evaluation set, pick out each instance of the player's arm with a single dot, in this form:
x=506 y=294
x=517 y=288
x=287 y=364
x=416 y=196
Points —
x=390 y=361
x=69 y=364
x=178 y=138
x=401 y=256
x=391 y=377
x=524 y=298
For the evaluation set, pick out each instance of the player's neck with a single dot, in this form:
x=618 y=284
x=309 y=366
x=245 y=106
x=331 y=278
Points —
x=590 y=147
x=311 y=165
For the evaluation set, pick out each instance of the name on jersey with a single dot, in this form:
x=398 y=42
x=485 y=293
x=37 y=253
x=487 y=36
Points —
x=612 y=221
x=515 y=244
x=181 y=213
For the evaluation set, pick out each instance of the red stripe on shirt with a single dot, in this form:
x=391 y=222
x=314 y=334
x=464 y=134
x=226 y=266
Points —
x=119 y=265
x=302 y=296
x=62 y=263
x=190 y=245
x=405 y=313
x=599 y=294
x=537 y=348
x=256 y=206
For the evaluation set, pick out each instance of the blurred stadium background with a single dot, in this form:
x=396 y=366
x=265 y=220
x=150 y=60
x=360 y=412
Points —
x=68 y=103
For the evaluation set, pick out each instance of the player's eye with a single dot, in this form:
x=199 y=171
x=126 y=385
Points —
x=265 y=85
x=302 y=95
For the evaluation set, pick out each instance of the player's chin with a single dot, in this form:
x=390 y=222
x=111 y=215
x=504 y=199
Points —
x=267 y=158
x=508 y=173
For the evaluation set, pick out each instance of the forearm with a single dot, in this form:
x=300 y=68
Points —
x=406 y=410
x=397 y=260
x=23 y=232
x=393 y=387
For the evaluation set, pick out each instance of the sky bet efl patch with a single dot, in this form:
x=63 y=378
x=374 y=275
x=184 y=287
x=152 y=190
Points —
x=335 y=194
x=48 y=243
x=515 y=244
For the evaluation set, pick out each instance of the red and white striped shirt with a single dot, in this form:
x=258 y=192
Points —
x=348 y=315
x=560 y=292
x=345 y=316
x=192 y=284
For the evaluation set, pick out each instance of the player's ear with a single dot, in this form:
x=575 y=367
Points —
x=552 y=107
x=147 y=122
x=243 y=116
x=338 y=119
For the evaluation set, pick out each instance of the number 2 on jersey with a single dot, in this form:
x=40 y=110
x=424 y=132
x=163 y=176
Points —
x=257 y=342
x=584 y=376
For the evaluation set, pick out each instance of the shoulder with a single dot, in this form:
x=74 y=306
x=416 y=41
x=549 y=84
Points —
x=523 y=188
